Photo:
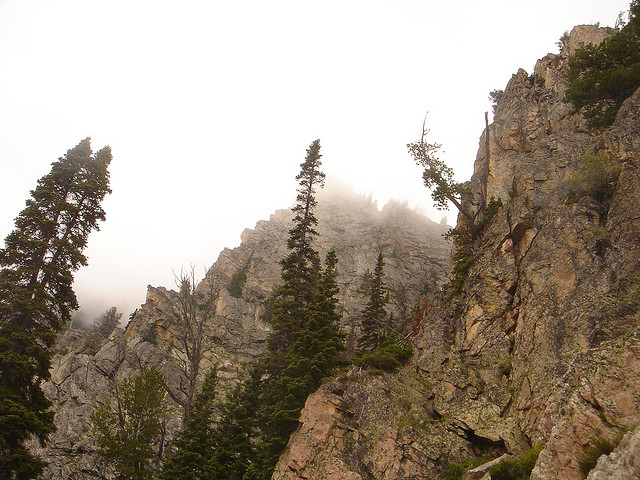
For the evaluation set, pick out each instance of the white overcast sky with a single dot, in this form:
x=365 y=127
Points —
x=210 y=105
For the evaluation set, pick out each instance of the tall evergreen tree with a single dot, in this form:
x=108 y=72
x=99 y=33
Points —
x=601 y=77
x=301 y=267
x=292 y=377
x=233 y=441
x=127 y=427
x=302 y=348
x=374 y=316
x=36 y=297
x=194 y=447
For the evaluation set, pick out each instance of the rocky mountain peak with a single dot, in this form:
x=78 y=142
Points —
x=540 y=348
x=87 y=366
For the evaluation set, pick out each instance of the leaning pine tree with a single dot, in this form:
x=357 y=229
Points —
x=36 y=298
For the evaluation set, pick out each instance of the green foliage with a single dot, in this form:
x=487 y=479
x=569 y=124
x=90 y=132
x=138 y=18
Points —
x=365 y=282
x=36 y=296
x=301 y=267
x=387 y=357
x=51 y=232
x=150 y=334
x=234 y=435
x=438 y=177
x=562 y=41
x=127 y=427
x=518 y=468
x=295 y=374
x=108 y=322
x=238 y=281
x=592 y=452
x=495 y=96
x=463 y=256
x=462 y=259
x=194 y=448
x=457 y=470
x=597 y=179
x=375 y=320
x=24 y=409
x=602 y=76
x=430 y=282
x=302 y=349
x=490 y=211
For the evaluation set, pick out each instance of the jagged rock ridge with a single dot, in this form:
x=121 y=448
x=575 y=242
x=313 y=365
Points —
x=86 y=366
x=542 y=347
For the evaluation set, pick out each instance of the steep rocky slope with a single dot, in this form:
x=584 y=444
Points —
x=87 y=366
x=542 y=345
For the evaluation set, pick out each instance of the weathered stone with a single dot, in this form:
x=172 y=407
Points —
x=623 y=463
x=88 y=366
x=541 y=347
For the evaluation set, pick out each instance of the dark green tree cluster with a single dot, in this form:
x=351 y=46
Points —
x=303 y=348
x=602 y=76
x=375 y=319
x=127 y=427
x=108 y=322
x=379 y=346
x=36 y=297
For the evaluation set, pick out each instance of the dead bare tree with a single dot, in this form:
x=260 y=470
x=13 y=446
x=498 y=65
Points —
x=193 y=313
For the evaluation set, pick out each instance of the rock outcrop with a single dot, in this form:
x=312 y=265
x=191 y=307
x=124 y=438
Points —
x=87 y=366
x=541 y=348
x=623 y=463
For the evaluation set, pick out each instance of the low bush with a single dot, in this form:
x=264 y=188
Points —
x=456 y=471
x=602 y=76
x=518 y=468
x=592 y=452
x=388 y=357
x=596 y=178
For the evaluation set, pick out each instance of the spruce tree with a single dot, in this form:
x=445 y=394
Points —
x=601 y=77
x=379 y=346
x=301 y=267
x=374 y=316
x=302 y=348
x=194 y=447
x=108 y=322
x=235 y=434
x=127 y=427
x=36 y=297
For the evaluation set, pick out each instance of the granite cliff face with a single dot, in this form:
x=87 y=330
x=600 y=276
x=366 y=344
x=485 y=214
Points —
x=541 y=348
x=86 y=366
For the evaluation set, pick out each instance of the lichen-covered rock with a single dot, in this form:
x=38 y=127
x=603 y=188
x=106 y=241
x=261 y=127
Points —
x=541 y=346
x=368 y=426
x=623 y=463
